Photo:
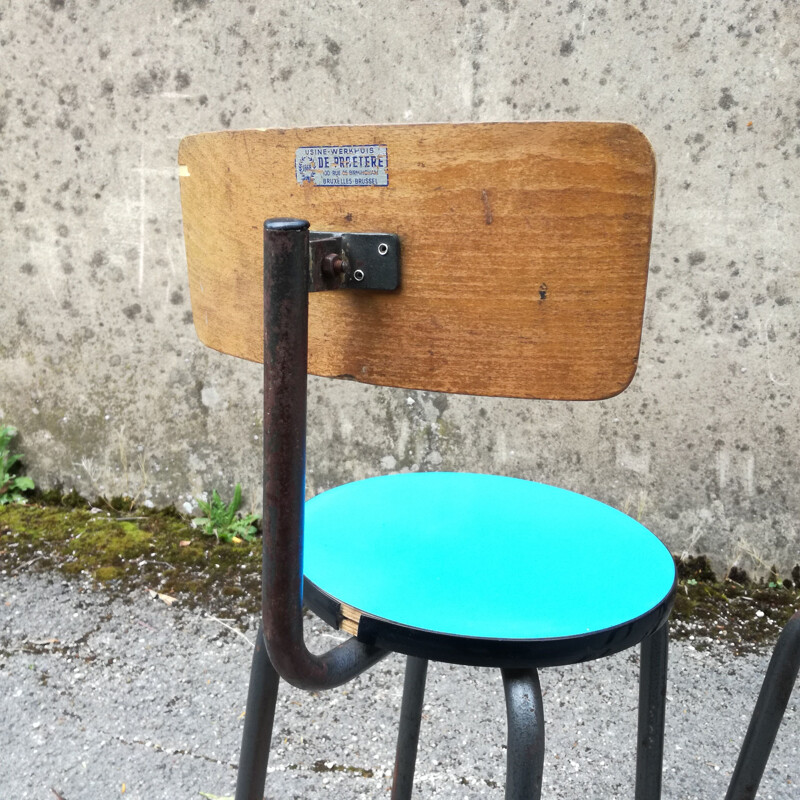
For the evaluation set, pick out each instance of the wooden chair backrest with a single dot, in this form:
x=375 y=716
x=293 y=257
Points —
x=524 y=252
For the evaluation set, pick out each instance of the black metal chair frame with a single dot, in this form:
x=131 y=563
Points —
x=282 y=652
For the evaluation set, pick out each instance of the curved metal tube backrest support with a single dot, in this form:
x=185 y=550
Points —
x=286 y=255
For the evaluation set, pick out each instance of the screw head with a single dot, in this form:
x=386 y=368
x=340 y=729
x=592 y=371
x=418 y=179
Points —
x=332 y=265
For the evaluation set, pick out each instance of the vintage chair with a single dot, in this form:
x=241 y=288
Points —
x=504 y=259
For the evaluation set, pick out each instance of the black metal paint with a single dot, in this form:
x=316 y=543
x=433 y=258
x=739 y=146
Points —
x=652 y=707
x=408 y=732
x=768 y=713
x=494 y=652
x=525 y=715
x=259 y=718
x=358 y=253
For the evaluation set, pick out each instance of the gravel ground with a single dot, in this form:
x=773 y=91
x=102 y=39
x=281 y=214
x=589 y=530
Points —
x=107 y=695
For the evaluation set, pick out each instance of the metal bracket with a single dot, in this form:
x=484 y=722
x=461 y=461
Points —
x=353 y=261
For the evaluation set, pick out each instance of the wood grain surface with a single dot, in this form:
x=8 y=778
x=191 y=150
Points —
x=524 y=252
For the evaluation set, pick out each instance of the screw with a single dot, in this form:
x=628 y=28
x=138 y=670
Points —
x=332 y=265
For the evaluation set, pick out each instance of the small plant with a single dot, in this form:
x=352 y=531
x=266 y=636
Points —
x=223 y=521
x=12 y=486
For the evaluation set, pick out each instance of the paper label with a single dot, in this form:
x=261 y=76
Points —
x=345 y=165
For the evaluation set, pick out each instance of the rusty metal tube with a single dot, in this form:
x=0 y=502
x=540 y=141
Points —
x=286 y=256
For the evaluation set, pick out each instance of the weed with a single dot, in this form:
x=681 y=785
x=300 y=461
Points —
x=641 y=504
x=104 y=484
x=144 y=476
x=12 y=487
x=223 y=521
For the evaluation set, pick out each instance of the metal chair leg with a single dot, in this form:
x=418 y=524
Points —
x=408 y=734
x=259 y=716
x=768 y=713
x=525 y=759
x=652 y=701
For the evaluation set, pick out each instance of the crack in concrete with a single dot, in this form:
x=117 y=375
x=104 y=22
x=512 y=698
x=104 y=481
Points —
x=173 y=751
x=54 y=646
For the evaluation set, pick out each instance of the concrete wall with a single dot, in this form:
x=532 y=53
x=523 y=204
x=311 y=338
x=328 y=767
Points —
x=99 y=365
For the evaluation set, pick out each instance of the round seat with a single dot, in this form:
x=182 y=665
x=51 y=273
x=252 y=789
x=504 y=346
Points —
x=483 y=569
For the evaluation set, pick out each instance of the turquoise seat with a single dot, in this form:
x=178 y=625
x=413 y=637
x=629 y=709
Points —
x=477 y=569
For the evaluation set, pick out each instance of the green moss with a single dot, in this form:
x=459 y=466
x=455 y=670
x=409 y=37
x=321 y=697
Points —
x=56 y=497
x=116 y=503
x=324 y=766
x=695 y=568
x=743 y=614
x=149 y=548
x=104 y=574
x=50 y=497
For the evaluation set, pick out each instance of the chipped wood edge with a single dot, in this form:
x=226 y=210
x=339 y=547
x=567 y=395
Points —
x=351 y=617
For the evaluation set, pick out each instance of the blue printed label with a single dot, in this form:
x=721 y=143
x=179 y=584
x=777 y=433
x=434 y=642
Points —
x=347 y=165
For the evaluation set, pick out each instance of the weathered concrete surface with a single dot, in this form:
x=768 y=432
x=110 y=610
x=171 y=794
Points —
x=112 y=691
x=99 y=365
